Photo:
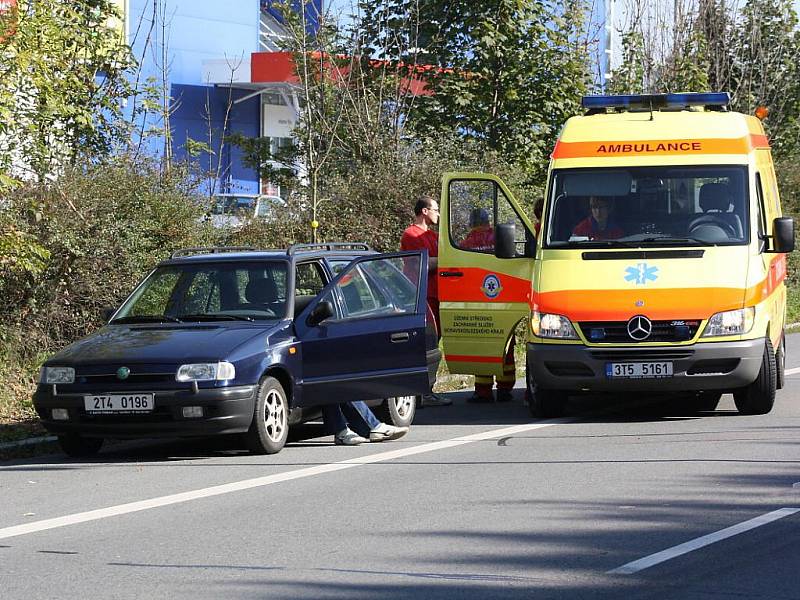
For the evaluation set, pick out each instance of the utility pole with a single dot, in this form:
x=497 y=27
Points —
x=609 y=39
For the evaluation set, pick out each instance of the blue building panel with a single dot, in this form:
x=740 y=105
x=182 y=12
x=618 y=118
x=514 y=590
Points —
x=195 y=104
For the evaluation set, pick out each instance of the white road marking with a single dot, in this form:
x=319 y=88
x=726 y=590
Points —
x=247 y=484
x=706 y=540
x=794 y=371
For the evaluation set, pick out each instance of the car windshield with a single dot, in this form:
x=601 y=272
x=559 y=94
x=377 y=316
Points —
x=214 y=291
x=648 y=206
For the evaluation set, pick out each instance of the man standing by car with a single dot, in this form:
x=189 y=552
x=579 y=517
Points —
x=420 y=236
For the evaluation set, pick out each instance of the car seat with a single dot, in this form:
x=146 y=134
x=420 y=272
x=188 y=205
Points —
x=261 y=293
x=715 y=201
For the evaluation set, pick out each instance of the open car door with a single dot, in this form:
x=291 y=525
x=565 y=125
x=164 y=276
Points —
x=363 y=336
x=482 y=298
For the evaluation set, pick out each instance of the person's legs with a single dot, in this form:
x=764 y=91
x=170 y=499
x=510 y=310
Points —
x=483 y=389
x=431 y=399
x=506 y=381
x=333 y=418
x=361 y=419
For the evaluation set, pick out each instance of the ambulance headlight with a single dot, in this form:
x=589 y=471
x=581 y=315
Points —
x=546 y=325
x=730 y=322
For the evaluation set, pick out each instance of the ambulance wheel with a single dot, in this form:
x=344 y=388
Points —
x=543 y=403
x=707 y=401
x=758 y=398
x=398 y=411
x=780 y=364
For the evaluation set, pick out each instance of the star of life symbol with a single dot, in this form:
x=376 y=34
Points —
x=641 y=274
x=491 y=286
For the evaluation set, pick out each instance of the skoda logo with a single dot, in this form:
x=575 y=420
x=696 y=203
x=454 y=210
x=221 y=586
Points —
x=639 y=328
x=123 y=372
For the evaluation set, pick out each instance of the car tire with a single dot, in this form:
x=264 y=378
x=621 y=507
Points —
x=758 y=398
x=707 y=401
x=544 y=403
x=77 y=446
x=780 y=364
x=270 y=426
x=398 y=411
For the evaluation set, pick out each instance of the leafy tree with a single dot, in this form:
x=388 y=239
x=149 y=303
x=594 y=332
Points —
x=63 y=75
x=509 y=72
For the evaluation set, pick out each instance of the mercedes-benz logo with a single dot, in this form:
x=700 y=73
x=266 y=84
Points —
x=639 y=328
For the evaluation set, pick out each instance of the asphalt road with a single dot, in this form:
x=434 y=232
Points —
x=476 y=502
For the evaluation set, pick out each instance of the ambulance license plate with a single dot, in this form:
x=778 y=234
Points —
x=118 y=404
x=639 y=370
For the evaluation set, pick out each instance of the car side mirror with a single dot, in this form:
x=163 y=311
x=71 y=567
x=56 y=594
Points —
x=504 y=240
x=108 y=312
x=782 y=235
x=322 y=311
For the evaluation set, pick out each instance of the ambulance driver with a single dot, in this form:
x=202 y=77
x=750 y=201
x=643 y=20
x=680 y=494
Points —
x=598 y=225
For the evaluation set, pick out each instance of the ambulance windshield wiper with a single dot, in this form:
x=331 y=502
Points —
x=674 y=240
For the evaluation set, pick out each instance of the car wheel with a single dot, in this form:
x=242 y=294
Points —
x=707 y=401
x=758 y=398
x=780 y=364
x=270 y=426
x=78 y=446
x=398 y=411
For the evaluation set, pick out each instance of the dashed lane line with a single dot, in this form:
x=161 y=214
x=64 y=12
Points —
x=701 y=542
x=248 y=484
x=794 y=371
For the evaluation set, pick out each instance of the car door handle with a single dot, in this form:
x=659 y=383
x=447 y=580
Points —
x=398 y=338
x=451 y=273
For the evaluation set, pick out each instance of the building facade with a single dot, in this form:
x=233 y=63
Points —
x=222 y=67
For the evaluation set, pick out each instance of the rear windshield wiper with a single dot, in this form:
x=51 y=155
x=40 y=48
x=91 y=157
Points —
x=215 y=317
x=148 y=319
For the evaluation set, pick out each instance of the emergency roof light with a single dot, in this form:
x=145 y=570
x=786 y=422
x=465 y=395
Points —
x=653 y=101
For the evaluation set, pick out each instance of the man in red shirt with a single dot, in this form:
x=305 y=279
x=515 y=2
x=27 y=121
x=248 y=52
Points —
x=420 y=236
x=598 y=226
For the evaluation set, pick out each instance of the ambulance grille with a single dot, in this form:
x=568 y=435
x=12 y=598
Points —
x=616 y=332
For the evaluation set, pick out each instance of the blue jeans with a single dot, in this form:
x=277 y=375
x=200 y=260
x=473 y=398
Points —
x=356 y=415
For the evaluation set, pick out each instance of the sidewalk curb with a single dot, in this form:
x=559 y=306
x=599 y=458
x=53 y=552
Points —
x=28 y=442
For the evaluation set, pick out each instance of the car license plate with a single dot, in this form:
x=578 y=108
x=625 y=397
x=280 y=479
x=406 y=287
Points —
x=118 y=403
x=640 y=370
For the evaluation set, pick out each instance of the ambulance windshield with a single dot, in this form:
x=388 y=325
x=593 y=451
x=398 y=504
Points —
x=648 y=207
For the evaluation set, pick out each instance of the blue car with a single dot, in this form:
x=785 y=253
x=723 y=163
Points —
x=240 y=341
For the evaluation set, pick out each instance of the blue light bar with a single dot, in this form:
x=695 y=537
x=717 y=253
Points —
x=721 y=99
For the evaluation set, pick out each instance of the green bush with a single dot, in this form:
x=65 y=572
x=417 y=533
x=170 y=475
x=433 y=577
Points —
x=80 y=244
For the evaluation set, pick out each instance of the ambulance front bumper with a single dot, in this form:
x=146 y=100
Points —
x=720 y=366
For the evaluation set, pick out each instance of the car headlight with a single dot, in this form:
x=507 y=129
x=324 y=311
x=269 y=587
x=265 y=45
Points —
x=546 y=325
x=57 y=375
x=206 y=372
x=730 y=322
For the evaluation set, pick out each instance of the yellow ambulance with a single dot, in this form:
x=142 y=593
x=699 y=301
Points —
x=659 y=266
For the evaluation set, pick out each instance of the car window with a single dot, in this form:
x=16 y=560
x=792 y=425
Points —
x=379 y=286
x=222 y=291
x=309 y=279
x=154 y=296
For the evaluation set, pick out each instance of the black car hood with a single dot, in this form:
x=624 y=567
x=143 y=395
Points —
x=160 y=344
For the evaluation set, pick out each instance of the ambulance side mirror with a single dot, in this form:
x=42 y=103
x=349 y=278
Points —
x=782 y=235
x=504 y=240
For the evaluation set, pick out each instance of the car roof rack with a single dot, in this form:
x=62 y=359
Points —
x=211 y=250
x=297 y=248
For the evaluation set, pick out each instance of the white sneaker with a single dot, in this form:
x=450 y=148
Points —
x=385 y=433
x=348 y=437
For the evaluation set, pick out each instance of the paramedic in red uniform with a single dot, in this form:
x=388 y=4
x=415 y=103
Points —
x=481 y=237
x=420 y=236
x=598 y=225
